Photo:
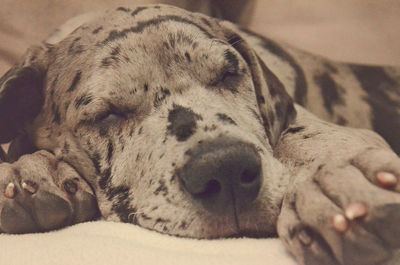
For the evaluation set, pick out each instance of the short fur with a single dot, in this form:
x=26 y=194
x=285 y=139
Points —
x=120 y=99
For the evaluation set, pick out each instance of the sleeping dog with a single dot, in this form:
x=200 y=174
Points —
x=190 y=126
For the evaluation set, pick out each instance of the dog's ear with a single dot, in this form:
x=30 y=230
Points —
x=21 y=92
x=275 y=104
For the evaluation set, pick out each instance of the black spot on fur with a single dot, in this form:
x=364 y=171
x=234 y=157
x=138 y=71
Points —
x=232 y=60
x=161 y=220
x=138 y=10
x=234 y=39
x=97 y=30
x=256 y=115
x=381 y=89
x=162 y=188
x=115 y=51
x=105 y=178
x=114 y=35
x=260 y=99
x=106 y=62
x=187 y=55
x=210 y=128
x=160 y=96
x=332 y=93
x=74 y=48
x=122 y=199
x=225 y=118
x=145 y=217
x=182 y=122
x=56 y=113
x=96 y=161
x=110 y=151
x=83 y=101
x=123 y=9
x=66 y=148
x=75 y=82
x=294 y=130
x=300 y=79
x=119 y=191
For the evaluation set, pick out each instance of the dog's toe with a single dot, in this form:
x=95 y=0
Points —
x=51 y=211
x=83 y=200
x=15 y=219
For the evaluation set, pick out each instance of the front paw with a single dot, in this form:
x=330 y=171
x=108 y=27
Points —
x=39 y=193
x=347 y=213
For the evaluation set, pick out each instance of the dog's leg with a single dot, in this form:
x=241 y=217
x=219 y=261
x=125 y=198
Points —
x=40 y=193
x=343 y=203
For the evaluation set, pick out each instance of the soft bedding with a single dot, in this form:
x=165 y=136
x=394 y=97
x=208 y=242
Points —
x=117 y=243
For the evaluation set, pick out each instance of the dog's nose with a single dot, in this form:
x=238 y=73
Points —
x=223 y=174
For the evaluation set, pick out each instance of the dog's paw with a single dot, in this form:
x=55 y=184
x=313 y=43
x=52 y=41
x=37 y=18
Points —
x=347 y=213
x=38 y=193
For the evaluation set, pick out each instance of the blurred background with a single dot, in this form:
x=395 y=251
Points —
x=363 y=31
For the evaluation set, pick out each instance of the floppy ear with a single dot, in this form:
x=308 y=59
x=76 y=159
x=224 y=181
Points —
x=21 y=93
x=276 y=106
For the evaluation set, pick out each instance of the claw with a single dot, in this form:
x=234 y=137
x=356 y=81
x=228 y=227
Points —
x=356 y=210
x=10 y=190
x=340 y=223
x=29 y=187
x=386 y=179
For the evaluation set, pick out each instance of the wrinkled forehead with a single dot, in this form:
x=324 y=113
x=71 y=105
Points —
x=153 y=22
x=155 y=39
x=148 y=48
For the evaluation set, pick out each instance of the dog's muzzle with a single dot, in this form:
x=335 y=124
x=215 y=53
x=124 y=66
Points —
x=225 y=175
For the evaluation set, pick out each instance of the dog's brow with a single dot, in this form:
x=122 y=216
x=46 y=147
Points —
x=114 y=35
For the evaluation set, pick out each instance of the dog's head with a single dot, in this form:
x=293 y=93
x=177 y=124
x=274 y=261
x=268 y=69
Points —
x=169 y=115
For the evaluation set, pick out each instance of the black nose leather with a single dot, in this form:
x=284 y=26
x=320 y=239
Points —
x=223 y=175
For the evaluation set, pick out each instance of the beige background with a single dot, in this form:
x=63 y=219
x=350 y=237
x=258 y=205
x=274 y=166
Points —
x=366 y=31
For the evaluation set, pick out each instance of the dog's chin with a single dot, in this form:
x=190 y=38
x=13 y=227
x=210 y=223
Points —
x=229 y=230
x=245 y=233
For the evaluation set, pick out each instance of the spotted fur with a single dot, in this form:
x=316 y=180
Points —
x=127 y=95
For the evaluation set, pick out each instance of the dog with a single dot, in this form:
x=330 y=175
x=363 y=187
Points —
x=193 y=127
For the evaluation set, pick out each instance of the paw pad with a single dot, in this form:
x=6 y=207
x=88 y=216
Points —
x=10 y=191
x=386 y=179
x=30 y=186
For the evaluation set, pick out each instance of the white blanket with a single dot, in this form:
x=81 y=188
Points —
x=117 y=243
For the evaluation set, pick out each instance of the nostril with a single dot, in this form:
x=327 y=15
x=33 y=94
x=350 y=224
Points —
x=212 y=187
x=248 y=176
